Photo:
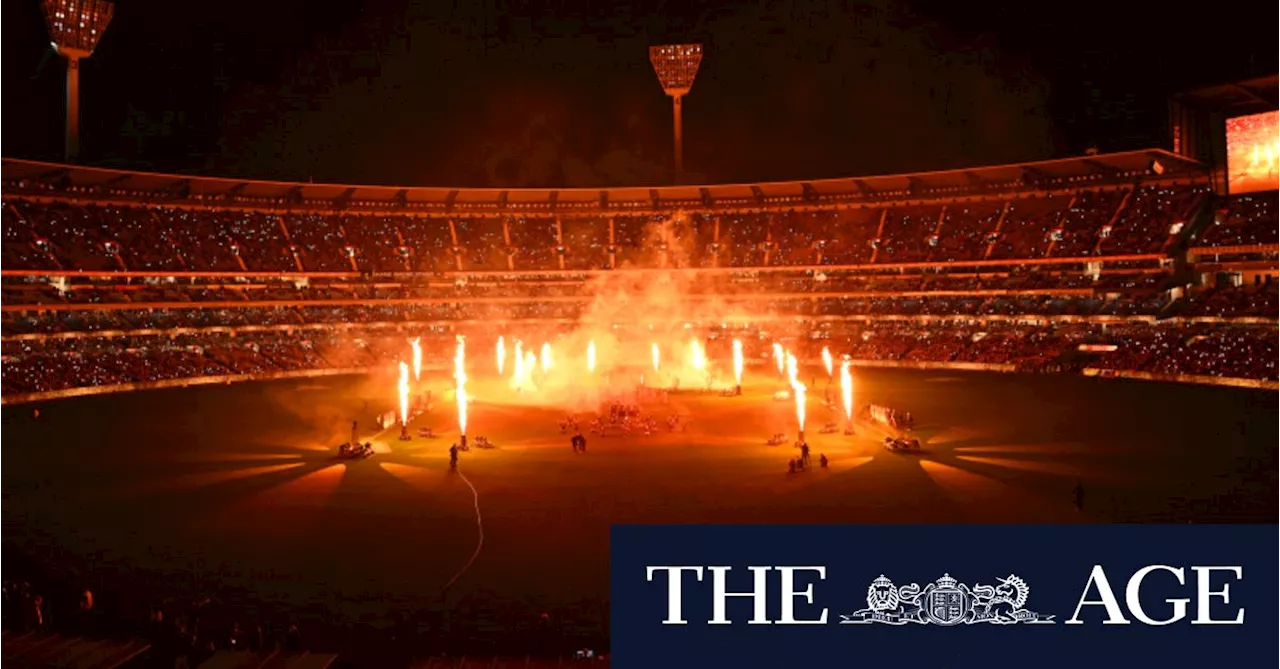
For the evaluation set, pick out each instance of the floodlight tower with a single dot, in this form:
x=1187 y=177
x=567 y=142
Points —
x=75 y=26
x=676 y=65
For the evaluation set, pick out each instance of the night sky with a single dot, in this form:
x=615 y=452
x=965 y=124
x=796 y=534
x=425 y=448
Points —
x=561 y=93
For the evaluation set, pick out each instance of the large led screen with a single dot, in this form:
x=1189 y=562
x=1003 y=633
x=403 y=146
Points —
x=1252 y=145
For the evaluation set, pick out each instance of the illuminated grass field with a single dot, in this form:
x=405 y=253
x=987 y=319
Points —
x=219 y=489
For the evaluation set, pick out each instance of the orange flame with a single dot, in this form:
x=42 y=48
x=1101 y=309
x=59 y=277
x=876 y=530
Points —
x=502 y=354
x=546 y=356
x=846 y=388
x=657 y=356
x=697 y=356
x=591 y=356
x=737 y=362
x=402 y=387
x=826 y=360
x=460 y=377
x=778 y=356
x=520 y=372
x=798 y=389
x=417 y=358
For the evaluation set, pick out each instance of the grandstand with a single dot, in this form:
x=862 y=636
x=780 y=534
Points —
x=115 y=278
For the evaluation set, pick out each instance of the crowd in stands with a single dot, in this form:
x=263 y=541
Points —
x=54 y=364
x=102 y=331
x=52 y=235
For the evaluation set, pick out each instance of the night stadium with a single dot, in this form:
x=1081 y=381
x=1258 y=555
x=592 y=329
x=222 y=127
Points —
x=317 y=423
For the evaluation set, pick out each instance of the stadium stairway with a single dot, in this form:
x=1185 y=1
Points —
x=33 y=650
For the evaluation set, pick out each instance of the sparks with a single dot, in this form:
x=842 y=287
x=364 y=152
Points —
x=826 y=360
x=417 y=358
x=546 y=356
x=737 y=363
x=778 y=356
x=502 y=354
x=657 y=356
x=402 y=387
x=460 y=378
x=591 y=356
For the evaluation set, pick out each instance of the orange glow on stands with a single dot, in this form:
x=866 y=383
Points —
x=460 y=377
x=546 y=356
x=779 y=356
x=657 y=356
x=591 y=356
x=417 y=358
x=402 y=387
x=846 y=388
x=827 y=361
x=502 y=354
x=737 y=362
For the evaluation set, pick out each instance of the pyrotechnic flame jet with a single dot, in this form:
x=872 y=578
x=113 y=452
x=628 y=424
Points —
x=591 y=356
x=402 y=388
x=826 y=360
x=530 y=364
x=737 y=363
x=460 y=377
x=696 y=355
x=846 y=389
x=546 y=356
x=520 y=372
x=417 y=358
x=657 y=356
x=502 y=354
x=798 y=389
x=779 y=356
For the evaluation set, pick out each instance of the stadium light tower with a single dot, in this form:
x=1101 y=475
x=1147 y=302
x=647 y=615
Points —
x=676 y=65
x=75 y=26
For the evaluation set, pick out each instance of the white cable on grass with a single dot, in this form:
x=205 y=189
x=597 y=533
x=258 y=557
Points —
x=479 y=526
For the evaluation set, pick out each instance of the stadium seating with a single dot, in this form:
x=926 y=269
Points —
x=109 y=286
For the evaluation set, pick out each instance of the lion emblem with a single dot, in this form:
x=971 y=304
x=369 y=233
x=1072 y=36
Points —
x=882 y=595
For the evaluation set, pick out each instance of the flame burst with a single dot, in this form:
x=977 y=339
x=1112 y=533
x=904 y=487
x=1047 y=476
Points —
x=657 y=356
x=460 y=377
x=697 y=356
x=737 y=362
x=778 y=356
x=591 y=356
x=546 y=356
x=402 y=387
x=798 y=389
x=530 y=364
x=846 y=388
x=417 y=358
x=826 y=360
x=519 y=373
x=502 y=354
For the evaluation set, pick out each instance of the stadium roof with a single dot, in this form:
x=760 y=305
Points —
x=35 y=178
x=1242 y=97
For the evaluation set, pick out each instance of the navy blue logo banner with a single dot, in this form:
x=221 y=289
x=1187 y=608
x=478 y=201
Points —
x=944 y=596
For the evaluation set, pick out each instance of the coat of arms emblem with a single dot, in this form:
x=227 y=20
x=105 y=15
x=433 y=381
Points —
x=947 y=602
